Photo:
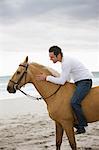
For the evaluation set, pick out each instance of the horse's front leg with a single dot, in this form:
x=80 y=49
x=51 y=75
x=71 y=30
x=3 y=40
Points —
x=59 y=135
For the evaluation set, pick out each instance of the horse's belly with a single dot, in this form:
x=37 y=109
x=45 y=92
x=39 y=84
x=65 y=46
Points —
x=60 y=113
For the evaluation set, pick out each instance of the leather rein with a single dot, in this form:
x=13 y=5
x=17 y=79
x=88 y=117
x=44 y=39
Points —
x=30 y=96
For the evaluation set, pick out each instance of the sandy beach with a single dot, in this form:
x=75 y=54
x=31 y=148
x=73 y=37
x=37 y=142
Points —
x=25 y=125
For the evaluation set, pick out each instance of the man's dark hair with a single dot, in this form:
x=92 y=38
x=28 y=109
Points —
x=56 y=50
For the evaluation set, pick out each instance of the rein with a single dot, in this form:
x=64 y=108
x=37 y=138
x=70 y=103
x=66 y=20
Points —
x=30 y=96
x=39 y=98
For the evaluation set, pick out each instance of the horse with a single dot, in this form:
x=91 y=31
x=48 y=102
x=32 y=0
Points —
x=57 y=99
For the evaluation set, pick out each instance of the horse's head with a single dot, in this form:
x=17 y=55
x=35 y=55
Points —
x=19 y=78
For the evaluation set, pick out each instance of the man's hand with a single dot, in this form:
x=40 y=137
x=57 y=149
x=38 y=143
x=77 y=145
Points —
x=41 y=77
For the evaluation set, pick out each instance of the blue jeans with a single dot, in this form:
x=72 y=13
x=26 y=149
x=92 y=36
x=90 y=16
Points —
x=82 y=89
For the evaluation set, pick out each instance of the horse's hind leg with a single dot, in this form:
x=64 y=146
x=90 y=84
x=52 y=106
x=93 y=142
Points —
x=59 y=135
x=68 y=127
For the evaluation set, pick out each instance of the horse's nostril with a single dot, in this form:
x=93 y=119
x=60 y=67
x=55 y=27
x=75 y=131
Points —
x=8 y=88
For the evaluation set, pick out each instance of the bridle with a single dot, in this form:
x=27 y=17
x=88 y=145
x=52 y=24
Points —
x=24 y=73
x=16 y=84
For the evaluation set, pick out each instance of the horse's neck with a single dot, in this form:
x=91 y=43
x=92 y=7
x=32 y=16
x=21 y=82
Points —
x=45 y=88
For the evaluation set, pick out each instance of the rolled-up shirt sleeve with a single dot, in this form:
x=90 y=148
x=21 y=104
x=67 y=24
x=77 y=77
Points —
x=64 y=76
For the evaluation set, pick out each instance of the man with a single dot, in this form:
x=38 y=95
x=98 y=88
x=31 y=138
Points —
x=74 y=69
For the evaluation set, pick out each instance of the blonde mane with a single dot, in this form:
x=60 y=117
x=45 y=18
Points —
x=53 y=72
x=48 y=69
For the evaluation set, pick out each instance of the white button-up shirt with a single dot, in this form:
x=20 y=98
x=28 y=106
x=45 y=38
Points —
x=71 y=69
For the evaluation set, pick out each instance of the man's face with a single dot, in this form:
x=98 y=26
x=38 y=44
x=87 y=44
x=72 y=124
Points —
x=53 y=57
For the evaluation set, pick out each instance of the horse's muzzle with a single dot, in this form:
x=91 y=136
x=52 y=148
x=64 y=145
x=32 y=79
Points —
x=10 y=89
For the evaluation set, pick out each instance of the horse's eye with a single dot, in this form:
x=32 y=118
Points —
x=18 y=72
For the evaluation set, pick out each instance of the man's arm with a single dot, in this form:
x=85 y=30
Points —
x=64 y=76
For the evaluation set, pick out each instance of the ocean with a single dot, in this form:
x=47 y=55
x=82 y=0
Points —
x=4 y=94
x=29 y=88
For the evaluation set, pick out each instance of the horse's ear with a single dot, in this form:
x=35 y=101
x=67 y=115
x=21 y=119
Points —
x=26 y=59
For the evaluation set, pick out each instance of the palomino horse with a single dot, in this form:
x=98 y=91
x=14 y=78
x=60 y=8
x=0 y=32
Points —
x=57 y=99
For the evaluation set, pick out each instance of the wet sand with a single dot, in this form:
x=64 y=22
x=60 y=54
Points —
x=34 y=130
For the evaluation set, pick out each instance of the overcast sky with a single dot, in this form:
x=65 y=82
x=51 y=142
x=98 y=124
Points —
x=35 y=25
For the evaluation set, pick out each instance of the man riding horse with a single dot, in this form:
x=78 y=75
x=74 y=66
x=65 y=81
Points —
x=71 y=68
